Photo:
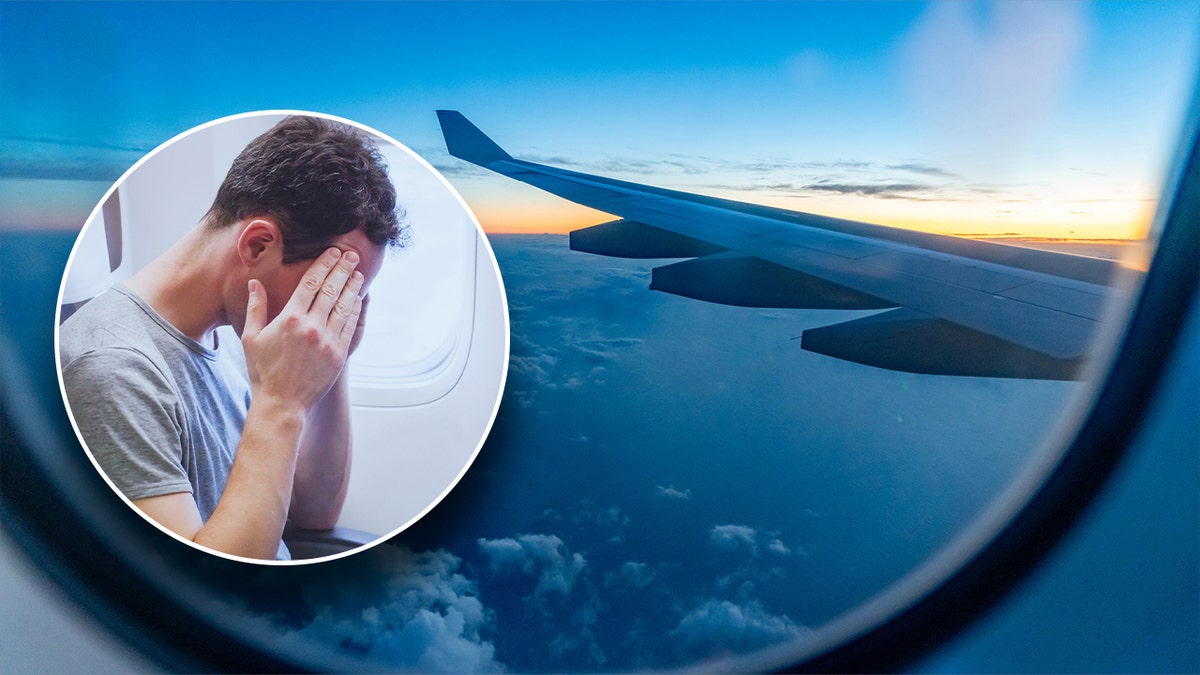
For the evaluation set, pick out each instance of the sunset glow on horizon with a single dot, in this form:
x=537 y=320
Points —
x=1108 y=220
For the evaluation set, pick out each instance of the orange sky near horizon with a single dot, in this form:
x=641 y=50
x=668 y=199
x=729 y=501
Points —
x=1111 y=220
x=520 y=209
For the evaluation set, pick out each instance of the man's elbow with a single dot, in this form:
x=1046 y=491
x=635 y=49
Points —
x=315 y=519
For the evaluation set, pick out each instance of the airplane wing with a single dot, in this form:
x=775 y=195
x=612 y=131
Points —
x=954 y=306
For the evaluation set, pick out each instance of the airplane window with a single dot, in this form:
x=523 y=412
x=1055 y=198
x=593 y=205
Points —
x=425 y=299
x=811 y=384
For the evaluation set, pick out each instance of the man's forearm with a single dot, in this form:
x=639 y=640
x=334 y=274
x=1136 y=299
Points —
x=253 y=509
x=323 y=465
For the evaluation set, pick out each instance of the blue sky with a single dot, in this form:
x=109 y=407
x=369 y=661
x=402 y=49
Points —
x=1035 y=118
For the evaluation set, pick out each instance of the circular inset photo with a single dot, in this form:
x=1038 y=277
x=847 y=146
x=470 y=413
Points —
x=282 y=336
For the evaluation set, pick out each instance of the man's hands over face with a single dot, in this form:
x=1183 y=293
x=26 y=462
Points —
x=362 y=322
x=298 y=355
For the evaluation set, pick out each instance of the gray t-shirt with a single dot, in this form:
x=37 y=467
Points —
x=160 y=412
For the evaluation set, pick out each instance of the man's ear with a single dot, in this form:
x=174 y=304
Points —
x=259 y=242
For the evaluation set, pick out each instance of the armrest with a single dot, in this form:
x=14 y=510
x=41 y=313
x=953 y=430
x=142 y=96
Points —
x=305 y=544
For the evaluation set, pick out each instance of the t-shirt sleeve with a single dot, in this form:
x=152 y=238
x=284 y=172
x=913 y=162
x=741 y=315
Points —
x=128 y=414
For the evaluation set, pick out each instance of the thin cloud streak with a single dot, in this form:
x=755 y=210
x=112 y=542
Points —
x=28 y=158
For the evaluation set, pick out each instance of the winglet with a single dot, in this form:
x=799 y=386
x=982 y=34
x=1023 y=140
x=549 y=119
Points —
x=465 y=141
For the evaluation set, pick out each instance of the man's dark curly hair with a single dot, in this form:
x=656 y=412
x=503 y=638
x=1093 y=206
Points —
x=317 y=179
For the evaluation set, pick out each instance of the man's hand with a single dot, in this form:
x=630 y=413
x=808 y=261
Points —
x=296 y=357
x=361 y=325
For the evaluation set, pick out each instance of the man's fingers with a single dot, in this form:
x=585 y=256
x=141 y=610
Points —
x=256 y=309
x=362 y=315
x=310 y=284
x=334 y=286
x=351 y=324
x=359 y=326
x=346 y=304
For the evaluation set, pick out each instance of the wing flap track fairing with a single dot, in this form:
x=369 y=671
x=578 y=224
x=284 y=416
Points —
x=631 y=239
x=746 y=281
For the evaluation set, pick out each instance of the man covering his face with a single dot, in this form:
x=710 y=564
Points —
x=223 y=441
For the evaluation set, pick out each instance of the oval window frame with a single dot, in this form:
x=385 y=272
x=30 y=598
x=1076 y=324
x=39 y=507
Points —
x=885 y=634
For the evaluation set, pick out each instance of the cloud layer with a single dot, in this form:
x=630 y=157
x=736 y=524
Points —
x=413 y=611
x=720 y=627
x=542 y=555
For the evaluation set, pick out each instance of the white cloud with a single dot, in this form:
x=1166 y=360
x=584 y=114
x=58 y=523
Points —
x=504 y=553
x=671 y=492
x=414 y=612
x=545 y=555
x=578 y=361
x=598 y=350
x=987 y=76
x=536 y=367
x=734 y=537
x=722 y=627
x=566 y=603
x=631 y=574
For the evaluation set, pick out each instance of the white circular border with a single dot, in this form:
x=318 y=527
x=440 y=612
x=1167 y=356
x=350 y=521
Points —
x=479 y=234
